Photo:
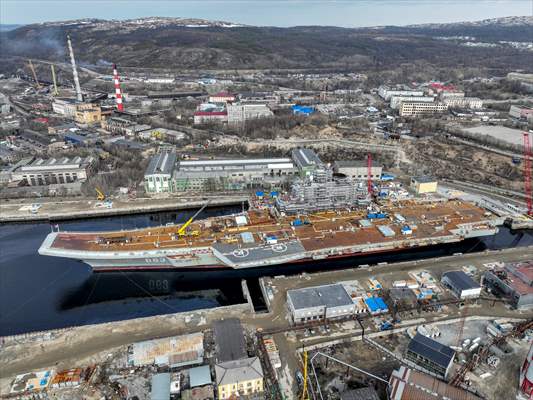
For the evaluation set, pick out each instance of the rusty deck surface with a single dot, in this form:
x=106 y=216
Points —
x=322 y=230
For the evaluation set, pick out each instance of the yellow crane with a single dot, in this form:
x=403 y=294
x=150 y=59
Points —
x=182 y=230
x=305 y=395
x=100 y=196
x=30 y=64
x=55 y=92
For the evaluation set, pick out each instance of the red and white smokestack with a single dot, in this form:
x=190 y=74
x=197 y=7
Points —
x=118 y=92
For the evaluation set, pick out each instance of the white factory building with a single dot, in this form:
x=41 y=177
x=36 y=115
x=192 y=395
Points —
x=412 y=109
x=53 y=171
x=319 y=302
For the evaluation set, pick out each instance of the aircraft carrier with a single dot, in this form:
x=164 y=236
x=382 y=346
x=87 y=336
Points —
x=264 y=236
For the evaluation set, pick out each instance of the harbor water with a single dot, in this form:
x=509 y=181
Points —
x=38 y=292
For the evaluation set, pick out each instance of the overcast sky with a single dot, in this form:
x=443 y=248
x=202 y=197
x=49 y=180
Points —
x=348 y=13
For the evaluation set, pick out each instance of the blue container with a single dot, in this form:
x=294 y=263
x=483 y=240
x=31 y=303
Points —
x=297 y=222
x=259 y=194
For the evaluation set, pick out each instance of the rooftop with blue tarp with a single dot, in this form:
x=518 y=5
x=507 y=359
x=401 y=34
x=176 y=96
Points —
x=302 y=110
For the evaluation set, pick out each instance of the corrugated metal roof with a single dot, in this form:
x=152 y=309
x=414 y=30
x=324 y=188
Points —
x=238 y=371
x=431 y=350
x=161 y=163
x=200 y=376
x=160 y=387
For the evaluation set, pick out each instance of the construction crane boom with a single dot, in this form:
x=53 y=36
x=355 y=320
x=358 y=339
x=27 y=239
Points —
x=30 y=64
x=305 y=395
x=79 y=96
x=527 y=174
x=99 y=194
x=55 y=92
x=183 y=228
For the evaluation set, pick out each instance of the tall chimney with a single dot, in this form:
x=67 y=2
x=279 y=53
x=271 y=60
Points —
x=79 y=96
x=118 y=92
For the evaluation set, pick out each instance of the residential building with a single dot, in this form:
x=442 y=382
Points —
x=319 y=302
x=357 y=169
x=88 y=114
x=520 y=112
x=408 y=384
x=412 y=109
x=240 y=113
x=230 y=343
x=158 y=175
x=65 y=107
x=396 y=101
x=462 y=285
x=239 y=378
x=463 y=102
x=222 y=97
x=202 y=117
x=424 y=184
x=515 y=281
x=431 y=355
x=38 y=172
x=386 y=93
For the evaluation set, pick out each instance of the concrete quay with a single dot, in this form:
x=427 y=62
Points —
x=15 y=211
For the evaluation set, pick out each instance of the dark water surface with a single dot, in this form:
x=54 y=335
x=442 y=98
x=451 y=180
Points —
x=38 y=292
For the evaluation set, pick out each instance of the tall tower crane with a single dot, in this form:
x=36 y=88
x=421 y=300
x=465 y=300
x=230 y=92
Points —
x=527 y=174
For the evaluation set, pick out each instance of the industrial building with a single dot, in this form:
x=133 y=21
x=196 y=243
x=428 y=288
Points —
x=408 y=384
x=117 y=125
x=240 y=113
x=424 y=184
x=174 y=351
x=65 y=107
x=386 y=93
x=364 y=393
x=38 y=172
x=203 y=117
x=230 y=342
x=430 y=355
x=413 y=109
x=239 y=378
x=307 y=161
x=463 y=286
x=158 y=175
x=357 y=169
x=212 y=175
x=515 y=281
x=396 y=101
x=319 y=302
x=463 y=102
x=88 y=114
